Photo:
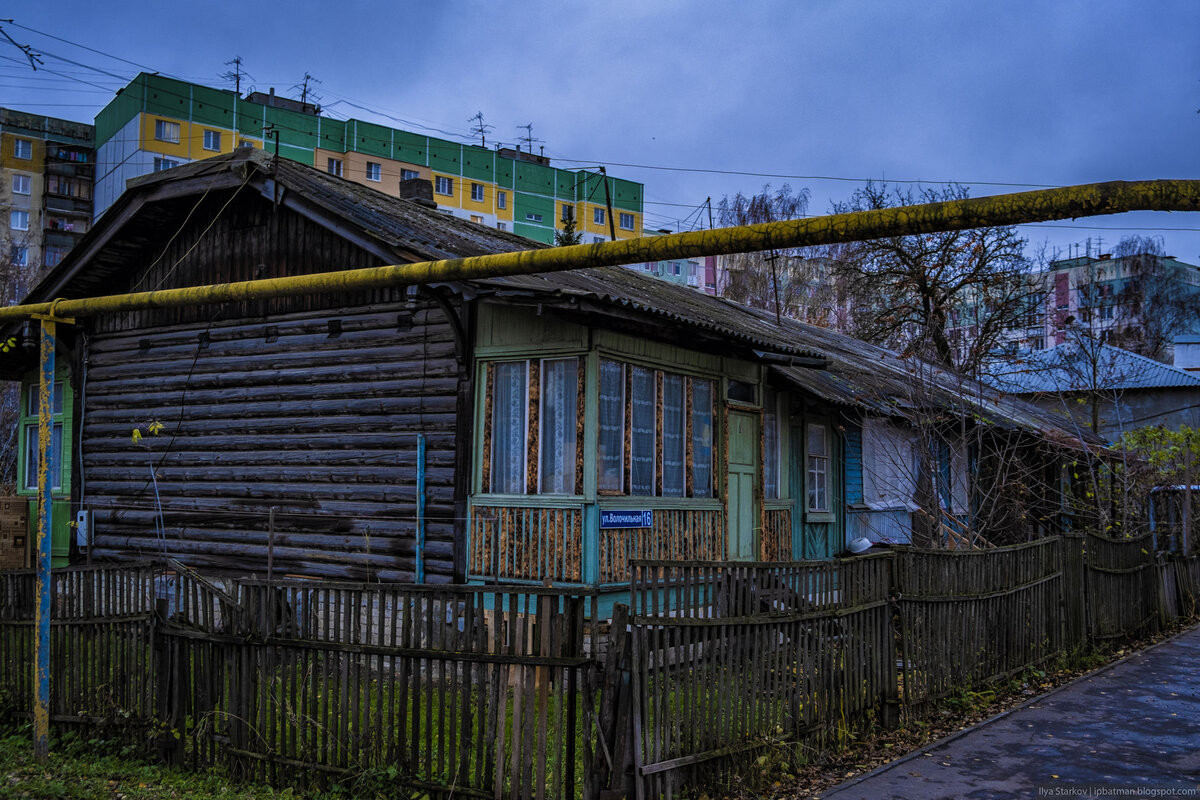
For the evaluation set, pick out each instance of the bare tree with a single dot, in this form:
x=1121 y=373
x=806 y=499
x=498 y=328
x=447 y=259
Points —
x=949 y=297
x=1145 y=305
x=18 y=273
x=796 y=282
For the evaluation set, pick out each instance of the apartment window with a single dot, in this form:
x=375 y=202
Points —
x=533 y=217
x=165 y=131
x=29 y=430
x=500 y=226
x=334 y=167
x=817 y=477
x=626 y=221
x=477 y=192
x=164 y=163
x=245 y=143
x=598 y=216
x=597 y=239
x=540 y=432
x=75 y=187
x=501 y=199
x=374 y=171
x=20 y=256
x=477 y=218
x=409 y=174
x=22 y=149
x=568 y=212
x=443 y=185
x=212 y=140
x=52 y=255
x=18 y=220
x=22 y=184
x=634 y=463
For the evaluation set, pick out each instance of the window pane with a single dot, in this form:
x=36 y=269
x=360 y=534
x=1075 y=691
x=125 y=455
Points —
x=702 y=436
x=673 y=433
x=33 y=460
x=560 y=412
x=770 y=446
x=508 y=428
x=641 y=476
x=31 y=399
x=818 y=468
x=611 y=459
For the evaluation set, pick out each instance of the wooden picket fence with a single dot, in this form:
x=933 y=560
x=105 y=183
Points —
x=524 y=692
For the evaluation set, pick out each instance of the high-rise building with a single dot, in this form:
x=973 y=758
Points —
x=47 y=166
x=157 y=123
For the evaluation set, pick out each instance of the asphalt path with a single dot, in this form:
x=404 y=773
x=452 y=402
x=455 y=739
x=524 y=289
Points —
x=1128 y=730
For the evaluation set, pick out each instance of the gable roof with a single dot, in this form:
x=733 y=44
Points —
x=859 y=375
x=1074 y=368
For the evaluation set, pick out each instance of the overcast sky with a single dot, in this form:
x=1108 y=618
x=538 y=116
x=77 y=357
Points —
x=691 y=98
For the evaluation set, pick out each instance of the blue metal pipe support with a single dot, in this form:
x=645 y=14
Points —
x=46 y=467
x=420 y=559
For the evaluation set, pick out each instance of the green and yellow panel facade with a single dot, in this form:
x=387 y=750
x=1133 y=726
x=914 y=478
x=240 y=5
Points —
x=157 y=122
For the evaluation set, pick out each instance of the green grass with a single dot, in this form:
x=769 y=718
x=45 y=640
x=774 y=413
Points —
x=83 y=770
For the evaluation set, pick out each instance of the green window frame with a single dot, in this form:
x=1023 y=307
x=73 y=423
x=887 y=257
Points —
x=27 y=435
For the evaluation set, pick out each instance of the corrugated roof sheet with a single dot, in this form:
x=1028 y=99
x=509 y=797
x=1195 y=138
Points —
x=859 y=375
x=1074 y=368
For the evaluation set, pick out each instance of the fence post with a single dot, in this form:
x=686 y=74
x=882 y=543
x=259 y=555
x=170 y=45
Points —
x=613 y=775
x=165 y=679
x=890 y=717
x=1074 y=592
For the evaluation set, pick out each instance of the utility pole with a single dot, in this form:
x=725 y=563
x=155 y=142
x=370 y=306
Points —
x=708 y=201
x=775 y=281
x=612 y=228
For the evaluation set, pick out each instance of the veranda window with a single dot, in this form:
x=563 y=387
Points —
x=641 y=472
x=509 y=409
x=532 y=441
x=668 y=450
x=611 y=451
x=559 y=416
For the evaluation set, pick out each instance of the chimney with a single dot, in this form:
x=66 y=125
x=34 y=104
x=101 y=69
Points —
x=419 y=191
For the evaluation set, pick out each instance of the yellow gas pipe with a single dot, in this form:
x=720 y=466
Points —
x=1009 y=209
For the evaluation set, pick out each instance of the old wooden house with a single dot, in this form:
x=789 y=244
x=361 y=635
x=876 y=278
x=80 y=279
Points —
x=559 y=425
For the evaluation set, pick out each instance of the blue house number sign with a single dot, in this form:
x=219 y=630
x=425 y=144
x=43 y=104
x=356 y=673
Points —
x=612 y=518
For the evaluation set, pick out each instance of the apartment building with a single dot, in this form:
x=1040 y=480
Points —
x=47 y=168
x=156 y=123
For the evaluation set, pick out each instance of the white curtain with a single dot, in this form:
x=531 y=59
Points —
x=509 y=408
x=673 y=436
x=559 y=414
x=642 y=455
x=611 y=455
x=702 y=437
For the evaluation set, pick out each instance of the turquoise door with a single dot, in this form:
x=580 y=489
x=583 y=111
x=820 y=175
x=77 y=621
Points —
x=742 y=480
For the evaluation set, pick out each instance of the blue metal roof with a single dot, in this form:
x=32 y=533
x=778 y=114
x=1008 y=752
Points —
x=1077 y=368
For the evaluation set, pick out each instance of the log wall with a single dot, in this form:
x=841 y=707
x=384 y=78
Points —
x=310 y=406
